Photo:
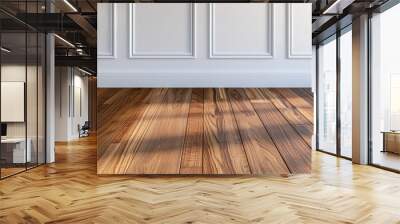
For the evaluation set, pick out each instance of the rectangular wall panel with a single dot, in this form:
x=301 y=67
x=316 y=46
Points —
x=204 y=45
x=241 y=30
x=299 y=30
x=106 y=32
x=12 y=101
x=159 y=30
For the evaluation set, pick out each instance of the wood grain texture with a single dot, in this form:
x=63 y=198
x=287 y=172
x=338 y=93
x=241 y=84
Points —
x=118 y=156
x=223 y=149
x=261 y=152
x=92 y=106
x=192 y=154
x=146 y=110
x=109 y=111
x=301 y=124
x=304 y=94
x=295 y=152
x=305 y=107
x=161 y=147
x=309 y=91
x=201 y=131
x=70 y=191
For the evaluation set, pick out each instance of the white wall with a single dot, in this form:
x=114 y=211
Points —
x=69 y=81
x=19 y=73
x=14 y=72
x=80 y=109
x=204 y=45
x=61 y=103
x=31 y=77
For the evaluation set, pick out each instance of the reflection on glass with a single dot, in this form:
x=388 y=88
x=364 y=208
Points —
x=327 y=97
x=31 y=100
x=346 y=93
x=22 y=90
x=385 y=84
x=41 y=98
x=14 y=153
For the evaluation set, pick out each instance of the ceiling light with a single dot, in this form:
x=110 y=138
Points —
x=84 y=71
x=70 y=5
x=79 y=51
x=5 y=50
x=65 y=41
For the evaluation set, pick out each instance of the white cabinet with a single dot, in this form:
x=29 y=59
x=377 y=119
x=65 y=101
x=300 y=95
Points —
x=16 y=147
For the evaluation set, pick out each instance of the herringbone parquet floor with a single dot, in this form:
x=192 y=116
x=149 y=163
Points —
x=69 y=191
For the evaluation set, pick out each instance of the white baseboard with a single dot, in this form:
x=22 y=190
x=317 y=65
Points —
x=199 y=80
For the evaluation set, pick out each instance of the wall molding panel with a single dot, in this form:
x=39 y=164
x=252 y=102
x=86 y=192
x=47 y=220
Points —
x=247 y=54
x=206 y=45
x=297 y=40
x=111 y=15
x=191 y=35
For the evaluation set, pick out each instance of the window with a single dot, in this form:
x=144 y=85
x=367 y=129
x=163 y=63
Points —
x=335 y=94
x=327 y=96
x=346 y=93
x=385 y=89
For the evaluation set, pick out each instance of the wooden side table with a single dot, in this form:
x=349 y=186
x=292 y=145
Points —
x=391 y=141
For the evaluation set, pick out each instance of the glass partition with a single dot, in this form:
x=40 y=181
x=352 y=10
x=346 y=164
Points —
x=31 y=99
x=41 y=107
x=13 y=109
x=22 y=78
x=326 y=104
